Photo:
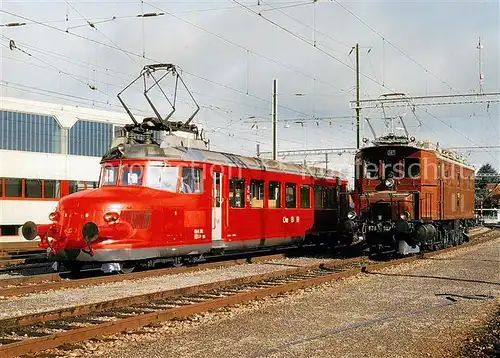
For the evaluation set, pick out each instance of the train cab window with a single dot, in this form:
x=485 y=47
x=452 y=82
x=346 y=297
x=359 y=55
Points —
x=162 y=177
x=305 y=196
x=274 y=195
x=1 y=187
x=132 y=175
x=371 y=169
x=257 y=193
x=33 y=188
x=13 y=187
x=331 y=198
x=412 y=168
x=318 y=197
x=51 y=189
x=109 y=176
x=191 y=180
x=290 y=195
x=237 y=193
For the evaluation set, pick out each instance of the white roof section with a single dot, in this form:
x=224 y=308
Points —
x=68 y=115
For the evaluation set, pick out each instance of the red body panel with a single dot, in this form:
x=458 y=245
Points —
x=163 y=223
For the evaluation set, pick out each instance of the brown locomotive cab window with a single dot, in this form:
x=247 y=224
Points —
x=290 y=196
x=237 y=193
x=371 y=169
x=13 y=187
x=33 y=188
x=257 y=193
x=274 y=195
x=318 y=197
x=51 y=189
x=412 y=168
x=331 y=198
x=305 y=196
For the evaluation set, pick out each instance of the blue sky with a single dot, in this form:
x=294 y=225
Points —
x=441 y=36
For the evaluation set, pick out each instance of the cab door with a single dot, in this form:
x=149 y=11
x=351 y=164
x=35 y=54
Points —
x=217 y=207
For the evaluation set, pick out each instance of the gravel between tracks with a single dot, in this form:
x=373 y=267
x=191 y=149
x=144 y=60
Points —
x=40 y=302
x=396 y=312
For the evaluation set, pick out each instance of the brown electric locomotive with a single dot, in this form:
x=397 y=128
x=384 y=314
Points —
x=412 y=196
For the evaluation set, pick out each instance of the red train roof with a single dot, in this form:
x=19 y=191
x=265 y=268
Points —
x=152 y=151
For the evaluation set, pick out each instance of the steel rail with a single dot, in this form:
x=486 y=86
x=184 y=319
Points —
x=185 y=302
x=52 y=315
x=38 y=283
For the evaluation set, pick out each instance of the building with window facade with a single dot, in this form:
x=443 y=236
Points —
x=48 y=150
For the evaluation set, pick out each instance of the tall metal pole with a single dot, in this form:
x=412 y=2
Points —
x=275 y=134
x=357 y=97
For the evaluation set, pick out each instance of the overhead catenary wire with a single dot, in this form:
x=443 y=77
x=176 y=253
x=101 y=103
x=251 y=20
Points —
x=308 y=42
x=139 y=56
x=384 y=38
x=195 y=75
x=244 y=48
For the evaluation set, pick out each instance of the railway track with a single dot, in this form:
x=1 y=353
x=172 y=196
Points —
x=41 y=331
x=31 y=284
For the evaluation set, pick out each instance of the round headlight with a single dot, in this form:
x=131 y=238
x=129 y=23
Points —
x=351 y=215
x=405 y=216
x=389 y=182
x=54 y=216
x=111 y=217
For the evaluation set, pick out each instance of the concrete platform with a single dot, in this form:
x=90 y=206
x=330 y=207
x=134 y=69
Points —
x=422 y=309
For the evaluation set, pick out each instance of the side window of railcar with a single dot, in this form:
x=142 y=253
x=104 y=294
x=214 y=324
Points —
x=305 y=196
x=13 y=187
x=257 y=193
x=331 y=198
x=33 y=188
x=412 y=168
x=274 y=195
x=290 y=195
x=318 y=196
x=192 y=180
x=237 y=193
x=52 y=189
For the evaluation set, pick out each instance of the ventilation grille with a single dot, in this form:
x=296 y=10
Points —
x=138 y=219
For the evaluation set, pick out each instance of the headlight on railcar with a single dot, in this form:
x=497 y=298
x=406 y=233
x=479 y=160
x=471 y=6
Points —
x=389 y=182
x=351 y=215
x=54 y=216
x=405 y=216
x=111 y=217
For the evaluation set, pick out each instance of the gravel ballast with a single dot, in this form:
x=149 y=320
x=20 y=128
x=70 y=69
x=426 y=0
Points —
x=46 y=301
x=425 y=308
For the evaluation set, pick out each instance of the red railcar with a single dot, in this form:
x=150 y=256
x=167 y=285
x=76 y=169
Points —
x=155 y=202
x=412 y=196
